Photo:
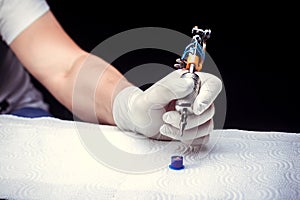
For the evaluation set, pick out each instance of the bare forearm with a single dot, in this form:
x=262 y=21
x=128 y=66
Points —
x=91 y=85
x=82 y=82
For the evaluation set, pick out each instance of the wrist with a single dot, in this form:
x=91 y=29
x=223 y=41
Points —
x=122 y=104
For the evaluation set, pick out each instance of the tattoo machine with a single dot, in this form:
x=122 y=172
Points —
x=191 y=60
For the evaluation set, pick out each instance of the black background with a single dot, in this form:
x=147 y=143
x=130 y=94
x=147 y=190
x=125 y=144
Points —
x=253 y=47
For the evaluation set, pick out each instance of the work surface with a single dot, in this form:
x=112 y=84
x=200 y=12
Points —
x=45 y=159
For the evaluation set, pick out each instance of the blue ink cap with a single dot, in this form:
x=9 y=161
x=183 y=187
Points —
x=176 y=163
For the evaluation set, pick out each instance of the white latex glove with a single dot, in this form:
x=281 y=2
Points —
x=148 y=112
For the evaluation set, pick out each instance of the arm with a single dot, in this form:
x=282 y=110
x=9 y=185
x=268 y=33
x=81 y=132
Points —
x=101 y=93
x=51 y=56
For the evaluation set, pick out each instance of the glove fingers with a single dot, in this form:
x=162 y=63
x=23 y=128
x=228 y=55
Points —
x=163 y=92
x=191 y=134
x=211 y=86
x=175 y=74
x=173 y=118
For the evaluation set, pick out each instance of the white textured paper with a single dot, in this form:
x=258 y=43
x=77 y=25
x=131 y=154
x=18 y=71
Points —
x=45 y=159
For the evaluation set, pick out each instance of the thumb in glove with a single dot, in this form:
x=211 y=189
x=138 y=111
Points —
x=141 y=111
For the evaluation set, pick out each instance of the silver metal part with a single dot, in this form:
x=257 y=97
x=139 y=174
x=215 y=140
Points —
x=203 y=35
x=185 y=105
x=183 y=120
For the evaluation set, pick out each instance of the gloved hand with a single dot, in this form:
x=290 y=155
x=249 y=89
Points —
x=151 y=112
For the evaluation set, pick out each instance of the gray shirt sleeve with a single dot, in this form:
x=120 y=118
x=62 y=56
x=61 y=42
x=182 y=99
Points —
x=16 y=88
x=17 y=15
